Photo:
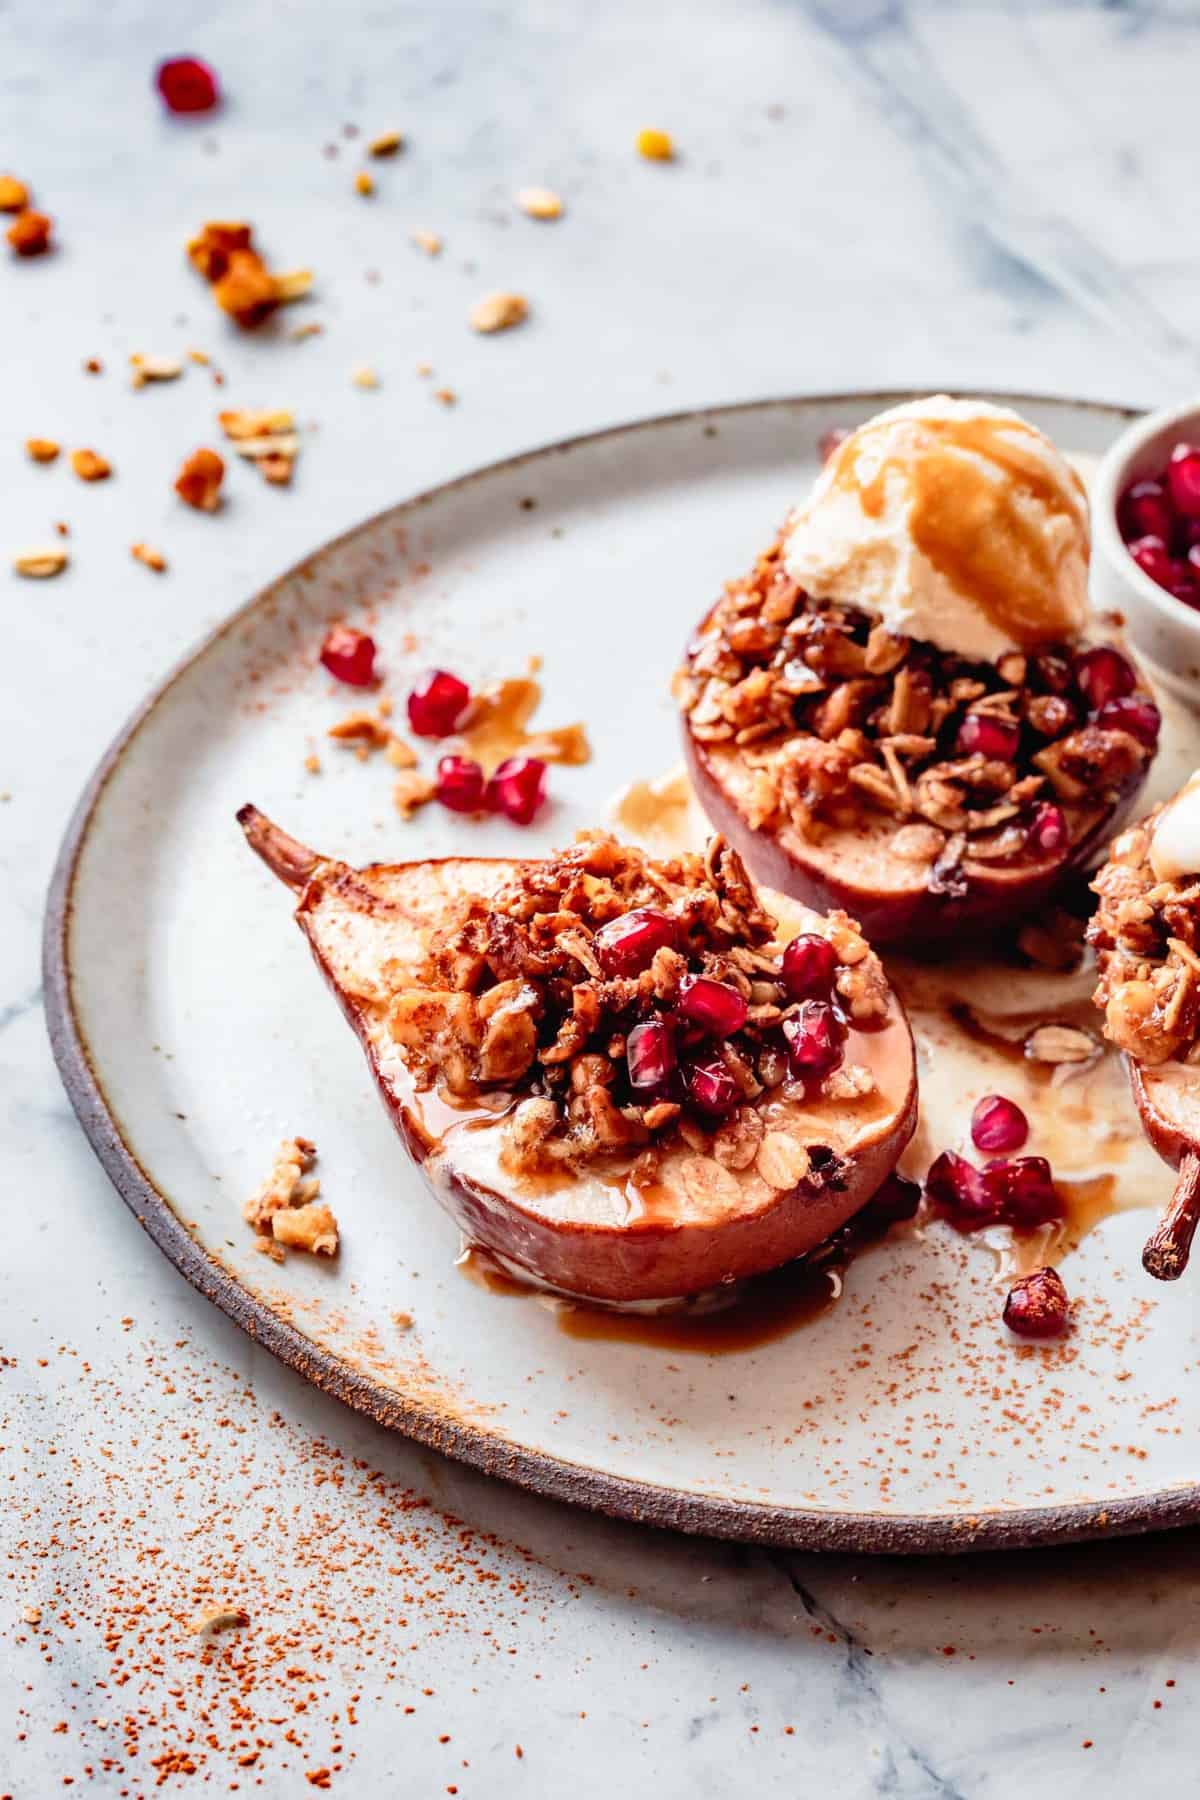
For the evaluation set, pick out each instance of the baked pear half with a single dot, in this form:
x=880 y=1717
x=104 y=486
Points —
x=632 y=1081
x=928 y=795
x=1146 y=934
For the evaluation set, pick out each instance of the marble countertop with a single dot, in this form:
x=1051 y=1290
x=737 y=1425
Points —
x=867 y=194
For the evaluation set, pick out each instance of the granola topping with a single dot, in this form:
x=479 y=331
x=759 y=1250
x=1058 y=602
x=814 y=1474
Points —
x=1146 y=934
x=834 y=713
x=567 y=992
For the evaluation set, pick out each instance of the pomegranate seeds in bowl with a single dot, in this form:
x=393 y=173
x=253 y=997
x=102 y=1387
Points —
x=1158 y=517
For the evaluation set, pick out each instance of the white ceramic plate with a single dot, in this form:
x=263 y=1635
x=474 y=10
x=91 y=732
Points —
x=193 y=1032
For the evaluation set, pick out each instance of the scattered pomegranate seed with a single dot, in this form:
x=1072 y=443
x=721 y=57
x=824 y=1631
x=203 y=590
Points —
x=962 y=1192
x=1144 y=511
x=438 y=704
x=1049 y=832
x=715 y=1005
x=998 y=1124
x=808 y=967
x=986 y=734
x=1102 y=673
x=1183 y=480
x=1025 y=1189
x=627 y=945
x=460 y=784
x=349 y=655
x=711 y=1087
x=897 y=1200
x=187 y=85
x=814 y=1036
x=518 y=788
x=1037 y=1305
x=1140 y=718
x=650 y=1053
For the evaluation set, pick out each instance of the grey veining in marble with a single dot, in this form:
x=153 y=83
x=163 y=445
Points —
x=868 y=193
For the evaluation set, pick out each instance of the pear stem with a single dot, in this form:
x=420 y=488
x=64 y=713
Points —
x=293 y=862
x=1166 y=1253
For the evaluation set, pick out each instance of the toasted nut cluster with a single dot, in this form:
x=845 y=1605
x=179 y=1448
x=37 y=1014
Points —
x=266 y=437
x=243 y=286
x=1146 y=934
x=198 y=482
x=285 y=1211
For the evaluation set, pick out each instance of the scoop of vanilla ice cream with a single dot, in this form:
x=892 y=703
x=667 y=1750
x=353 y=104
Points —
x=952 y=521
x=1175 y=839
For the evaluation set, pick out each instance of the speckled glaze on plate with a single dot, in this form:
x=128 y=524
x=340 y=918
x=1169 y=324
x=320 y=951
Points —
x=193 y=1032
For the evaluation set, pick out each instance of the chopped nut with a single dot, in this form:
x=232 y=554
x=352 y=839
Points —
x=40 y=563
x=246 y=422
x=386 y=144
x=29 y=233
x=293 y=285
x=446 y=396
x=498 y=312
x=199 y=481
x=31 y=1615
x=89 y=465
x=655 y=146
x=364 y=376
x=154 y=368
x=242 y=284
x=312 y=763
x=363 y=184
x=41 y=450
x=428 y=241
x=1060 y=1044
x=401 y=755
x=411 y=792
x=219 y=1618
x=311 y=1227
x=153 y=559
x=540 y=203
x=310 y=328
x=277 y=469
x=363 y=728
x=14 y=195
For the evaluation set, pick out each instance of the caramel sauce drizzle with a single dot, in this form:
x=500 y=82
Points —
x=497 y=728
x=974 y=529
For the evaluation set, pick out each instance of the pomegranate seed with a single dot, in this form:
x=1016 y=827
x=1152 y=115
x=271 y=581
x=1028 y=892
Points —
x=808 y=967
x=518 y=788
x=438 y=703
x=987 y=735
x=895 y=1201
x=349 y=655
x=1037 y=1305
x=962 y=1191
x=1183 y=480
x=998 y=1124
x=814 y=1036
x=1025 y=1189
x=1153 y=558
x=187 y=85
x=711 y=1087
x=1102 y=673
x=628 y=945
x=460 y=784
x=715 y=1005
x=1140 y=718
x=650 y=1054
x=1052 y=674
x=1144 y=511
x=1049 y=831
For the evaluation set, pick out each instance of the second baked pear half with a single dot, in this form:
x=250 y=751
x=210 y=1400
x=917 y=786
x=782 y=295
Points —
x=899 y=711
x=632 y=1081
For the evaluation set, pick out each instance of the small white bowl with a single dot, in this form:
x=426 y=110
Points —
x=1161 y=628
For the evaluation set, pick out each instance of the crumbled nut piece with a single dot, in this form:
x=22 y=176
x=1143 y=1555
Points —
x=41 y=450
x=293 y=284
x=498 y=312
x=364 y=376
x=14 y=195
x=31 y=1615
x=255 y=422
x=310 y=328
x=242 y=284
x=93 y=366
x=201 y=357
x=293 y=1161
x=38 y=564
x=428 y=241
x=311 y=1227
x=219 y=1618
x=446 y=396
x=363 y=728
x=386 y=144
x=1060 y=1044
x=29 y=233
x=851 y=1082
x=655 y=146
x=400 y=754
x=154 y=368
x=312 y=763
x=364 y=184
x=276 y=467
x=411 y=792
x=265 y=437
x=89 y=465
x=540 y=203
x=153 y=559
x=198 y=482
x=266 y=1246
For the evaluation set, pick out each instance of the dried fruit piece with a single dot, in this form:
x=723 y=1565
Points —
x=998 y=1124
x=498 y=312
x=518 y=788
x=40 y=563
x=460 y=784
x=198 y=482
x=655 y=146
x=153 y=559
x=29 y=233
x=89 y=465
x=540 y=203
x=349 y=655
x=187 y=85
x=1037 y=1305
x=14 y=195
x=41 y=450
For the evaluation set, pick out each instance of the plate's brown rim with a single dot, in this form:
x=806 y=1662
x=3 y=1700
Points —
x=545 y=1474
